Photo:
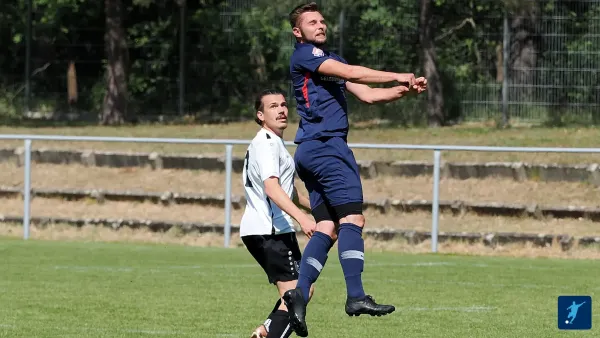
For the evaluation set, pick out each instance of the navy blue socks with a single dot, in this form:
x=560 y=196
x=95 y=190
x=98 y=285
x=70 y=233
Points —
x=351 y=247
x=313 y=260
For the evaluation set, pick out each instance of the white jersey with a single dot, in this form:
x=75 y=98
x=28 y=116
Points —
x=266 y=157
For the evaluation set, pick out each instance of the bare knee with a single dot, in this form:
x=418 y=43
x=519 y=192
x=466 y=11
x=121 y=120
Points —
x=358 y=220
x=311 y=291
x=334 y=236
x=327 y=227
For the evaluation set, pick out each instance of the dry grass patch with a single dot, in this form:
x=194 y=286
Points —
x=392 y=220
x=65 y=232
x=49 y=176
x=471 y=223
x=479 y=249
x=62 y=232
x=119 y=210
x=191 y=181
x=473 y=134
x=485 y=190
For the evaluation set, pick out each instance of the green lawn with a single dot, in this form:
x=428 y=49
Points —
x=78 y=289
x=461 y=135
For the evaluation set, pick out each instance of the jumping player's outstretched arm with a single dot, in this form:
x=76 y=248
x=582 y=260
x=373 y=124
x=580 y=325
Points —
x=308 y=58
x=370 y=95
x=360 y=74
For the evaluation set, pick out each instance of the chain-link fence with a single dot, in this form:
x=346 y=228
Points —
x=538 y=59
x=551 y=61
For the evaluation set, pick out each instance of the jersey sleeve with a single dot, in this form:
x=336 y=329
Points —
x=309 y=58
x=267 y=159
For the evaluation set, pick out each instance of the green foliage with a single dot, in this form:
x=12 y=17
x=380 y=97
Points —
x=234 y=49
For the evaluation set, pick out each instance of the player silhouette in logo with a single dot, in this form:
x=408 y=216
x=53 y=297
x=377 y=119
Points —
x=574 y=308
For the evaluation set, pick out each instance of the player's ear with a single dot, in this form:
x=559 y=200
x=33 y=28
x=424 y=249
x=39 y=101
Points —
x=260 y=116
x=297 y=32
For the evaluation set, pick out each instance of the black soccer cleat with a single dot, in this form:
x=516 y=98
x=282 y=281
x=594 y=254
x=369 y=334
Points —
x=294 y=301
x=367 y=305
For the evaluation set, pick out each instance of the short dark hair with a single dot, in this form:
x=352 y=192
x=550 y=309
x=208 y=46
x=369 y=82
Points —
x=301 y=9
x=258 y=103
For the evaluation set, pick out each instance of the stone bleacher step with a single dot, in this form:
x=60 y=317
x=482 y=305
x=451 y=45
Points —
x=517 y=171
x=489 y=239
x=384 y=206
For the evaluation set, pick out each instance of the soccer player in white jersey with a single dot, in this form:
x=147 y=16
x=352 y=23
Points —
x=272 y=201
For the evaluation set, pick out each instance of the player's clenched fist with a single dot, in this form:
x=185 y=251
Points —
x=420 y=85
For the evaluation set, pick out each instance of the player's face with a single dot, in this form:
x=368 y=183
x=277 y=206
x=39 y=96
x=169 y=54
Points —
x=275 y=112
x=312 y=28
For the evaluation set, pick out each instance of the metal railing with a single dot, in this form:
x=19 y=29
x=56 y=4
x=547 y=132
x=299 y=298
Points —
x=229 y=143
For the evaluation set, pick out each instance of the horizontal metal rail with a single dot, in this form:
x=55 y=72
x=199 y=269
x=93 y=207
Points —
x=229 y=143
x=289 y=143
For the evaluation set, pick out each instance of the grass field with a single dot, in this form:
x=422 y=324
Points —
x=479 y=135
x=91 y=289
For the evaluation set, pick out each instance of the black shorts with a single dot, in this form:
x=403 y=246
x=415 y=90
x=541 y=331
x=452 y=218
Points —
x=278 y=255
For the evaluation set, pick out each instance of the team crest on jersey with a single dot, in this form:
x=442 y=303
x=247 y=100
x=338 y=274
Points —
x=317 y=52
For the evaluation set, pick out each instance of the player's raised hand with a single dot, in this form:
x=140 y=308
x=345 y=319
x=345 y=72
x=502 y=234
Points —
x=420 y=85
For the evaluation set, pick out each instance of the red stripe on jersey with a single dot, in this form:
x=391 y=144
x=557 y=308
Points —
x=305 y=89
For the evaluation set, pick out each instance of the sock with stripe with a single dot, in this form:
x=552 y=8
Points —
x=313 y=261
x=278 y=325
x=351 y=247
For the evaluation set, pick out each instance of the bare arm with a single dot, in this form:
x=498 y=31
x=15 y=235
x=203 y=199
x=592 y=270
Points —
x=277 y=195
x=301 y=200
x=376 y=95
x=360 y=74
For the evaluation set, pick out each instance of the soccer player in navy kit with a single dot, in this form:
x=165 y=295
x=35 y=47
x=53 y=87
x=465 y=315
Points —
x=325 y=162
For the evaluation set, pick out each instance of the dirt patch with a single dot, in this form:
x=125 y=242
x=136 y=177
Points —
x=63 y=232
x=393 y=220
x=199 y=181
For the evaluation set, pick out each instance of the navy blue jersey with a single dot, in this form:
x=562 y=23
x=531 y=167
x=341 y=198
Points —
x=321 y=99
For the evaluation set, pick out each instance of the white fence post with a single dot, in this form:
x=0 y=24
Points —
x=27 y=190
x=228 y=164
x=436 y=201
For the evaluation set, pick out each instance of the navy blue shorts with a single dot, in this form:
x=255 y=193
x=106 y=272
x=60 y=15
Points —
x=331 y=175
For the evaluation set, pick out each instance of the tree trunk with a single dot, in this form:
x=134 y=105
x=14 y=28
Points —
x=115 y=101
x=523 y=53
x=435 y=96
